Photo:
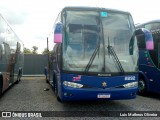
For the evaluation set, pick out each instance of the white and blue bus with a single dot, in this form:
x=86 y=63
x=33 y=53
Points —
x=95 y=56
x=11 y=56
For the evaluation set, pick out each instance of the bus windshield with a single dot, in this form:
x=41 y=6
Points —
x=90 y=34
x=153 y=27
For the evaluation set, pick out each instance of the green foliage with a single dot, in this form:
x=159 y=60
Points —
x=34 y=49
x=45 y=51
x=27 y=51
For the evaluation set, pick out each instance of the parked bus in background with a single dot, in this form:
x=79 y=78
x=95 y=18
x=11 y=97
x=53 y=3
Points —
x=11 y=56
x=95 y=56
x=149 y=60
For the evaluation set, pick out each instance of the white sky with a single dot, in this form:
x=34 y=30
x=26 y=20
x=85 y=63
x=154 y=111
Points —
x=32 y=20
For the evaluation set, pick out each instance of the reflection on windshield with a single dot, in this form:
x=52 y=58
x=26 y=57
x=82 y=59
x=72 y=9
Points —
x=92 y=58
x=113 y=53
x=86 y=42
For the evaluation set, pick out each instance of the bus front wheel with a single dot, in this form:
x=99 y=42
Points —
x=58 y=99
x=142 y=88
x=18 y=77
x=55 y=89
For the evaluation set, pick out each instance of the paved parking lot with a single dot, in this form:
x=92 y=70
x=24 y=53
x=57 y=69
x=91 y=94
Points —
x=29 y=95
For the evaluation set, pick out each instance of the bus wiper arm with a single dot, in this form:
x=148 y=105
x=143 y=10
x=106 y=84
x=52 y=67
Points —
x=92 y=58
x=113 y=53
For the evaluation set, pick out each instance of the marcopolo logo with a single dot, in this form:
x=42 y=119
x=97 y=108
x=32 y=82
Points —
x=130 y=78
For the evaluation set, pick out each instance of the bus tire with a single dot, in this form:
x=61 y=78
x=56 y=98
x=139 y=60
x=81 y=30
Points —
x=58 y=99
x=55 y=89
x=18 y=78
x=47 y=80
x=54 y=84
x=142 y=87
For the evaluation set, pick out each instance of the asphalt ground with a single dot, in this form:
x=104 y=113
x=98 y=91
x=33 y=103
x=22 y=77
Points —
x=34 y=94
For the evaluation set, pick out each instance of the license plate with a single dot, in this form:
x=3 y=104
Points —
x=103 y=95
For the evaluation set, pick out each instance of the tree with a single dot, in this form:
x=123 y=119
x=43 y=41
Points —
x=27 y=51
x=45 y=51
x=34 y=49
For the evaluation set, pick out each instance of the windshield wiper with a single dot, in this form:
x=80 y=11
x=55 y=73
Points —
x=112 y=52
x=92 y=58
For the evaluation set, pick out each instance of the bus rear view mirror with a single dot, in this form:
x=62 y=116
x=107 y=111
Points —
x=58 y=33
x=145 y=39
x=148 y=39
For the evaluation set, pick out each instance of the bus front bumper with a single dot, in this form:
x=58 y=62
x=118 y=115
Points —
x=70 y=94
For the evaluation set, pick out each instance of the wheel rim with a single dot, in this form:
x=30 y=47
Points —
x=141 y=85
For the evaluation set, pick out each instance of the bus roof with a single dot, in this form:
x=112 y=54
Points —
x=93 y=8
x=152 y=21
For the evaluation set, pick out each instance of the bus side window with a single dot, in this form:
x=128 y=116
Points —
x=74 y=39
x=7 y=51
x=91 y=40
x=18 y=47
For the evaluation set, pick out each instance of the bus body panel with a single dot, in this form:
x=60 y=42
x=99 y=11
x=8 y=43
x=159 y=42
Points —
x=5 y=81
x=152 y=78
x=150 y=72
x=92 y=94
x=96 y=81
x=93 y=85
x=11 y=56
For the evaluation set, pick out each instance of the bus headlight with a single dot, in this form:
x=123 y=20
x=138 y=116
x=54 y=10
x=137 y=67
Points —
x=132 y=84
x=72 y=84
